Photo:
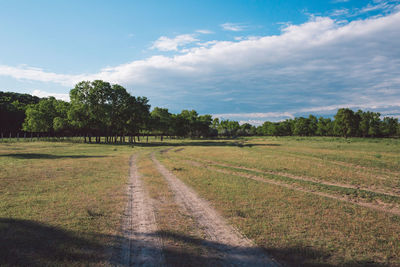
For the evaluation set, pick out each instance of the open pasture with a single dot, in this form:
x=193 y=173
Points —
x=312 y=201
x=307 y=201
x=60 y=203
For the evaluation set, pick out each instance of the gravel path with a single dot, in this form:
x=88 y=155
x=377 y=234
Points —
x=234 y=249
x=141 y=246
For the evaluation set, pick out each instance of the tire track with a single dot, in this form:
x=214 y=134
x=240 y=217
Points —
x=141 y=246
x=383 y=207
x=234 y=249
x=295 y=177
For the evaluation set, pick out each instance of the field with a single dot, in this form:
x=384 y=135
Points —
x=303 y=201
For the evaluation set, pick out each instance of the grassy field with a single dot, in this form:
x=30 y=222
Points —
x=60 y=203
x=313 y=201
x=308 y=201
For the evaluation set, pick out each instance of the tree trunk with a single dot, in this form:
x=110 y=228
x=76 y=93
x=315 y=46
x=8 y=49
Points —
x=162 y=138
x=147 y=138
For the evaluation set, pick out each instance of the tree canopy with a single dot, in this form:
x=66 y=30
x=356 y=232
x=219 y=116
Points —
x=98 y=108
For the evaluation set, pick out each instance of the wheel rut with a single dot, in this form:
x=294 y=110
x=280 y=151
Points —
x=233 y=248
x=140 y=245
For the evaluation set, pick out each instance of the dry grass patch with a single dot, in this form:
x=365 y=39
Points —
x=60 y=203
x=273 y=157
x=298 y=227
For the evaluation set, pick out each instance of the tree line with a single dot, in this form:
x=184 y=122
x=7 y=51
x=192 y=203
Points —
x=98 y=109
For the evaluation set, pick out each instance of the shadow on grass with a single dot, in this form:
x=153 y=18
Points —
x=46 y=156
x=193 y=143
x=29 y=243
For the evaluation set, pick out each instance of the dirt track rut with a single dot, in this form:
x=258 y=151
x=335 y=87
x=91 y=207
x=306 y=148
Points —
x=233 y=248
x=141 y=246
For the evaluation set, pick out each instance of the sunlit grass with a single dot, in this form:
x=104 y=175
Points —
x=304 y=158
x=74 y=189
x=295 y=226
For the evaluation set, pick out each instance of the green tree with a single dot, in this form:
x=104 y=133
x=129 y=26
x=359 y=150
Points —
x=301 y=126
x=228 y=128
x=346 y=123
x=161 y=121
x=324 y=127
x=90 y=107
x=312 y=125
x=203 y=123
x=48 y=116
x=389 y=126
x=12 y=110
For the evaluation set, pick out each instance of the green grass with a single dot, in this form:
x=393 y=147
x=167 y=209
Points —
x=299 y=227
x=60 y=203
x=319 y=158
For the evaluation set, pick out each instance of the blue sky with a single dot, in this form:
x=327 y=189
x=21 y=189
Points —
x=245 y=60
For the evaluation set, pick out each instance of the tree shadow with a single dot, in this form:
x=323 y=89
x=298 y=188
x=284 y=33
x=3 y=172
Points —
x=30 y=243
x=46 y=156
x=197 y=143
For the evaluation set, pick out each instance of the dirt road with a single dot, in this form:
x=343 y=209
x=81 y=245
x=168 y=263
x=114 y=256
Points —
x=141 y=246
x=233 y=248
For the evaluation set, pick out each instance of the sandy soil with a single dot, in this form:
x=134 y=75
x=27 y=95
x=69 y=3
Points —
x=233 y=248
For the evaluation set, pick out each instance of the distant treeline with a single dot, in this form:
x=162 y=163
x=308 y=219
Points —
x=99 y=109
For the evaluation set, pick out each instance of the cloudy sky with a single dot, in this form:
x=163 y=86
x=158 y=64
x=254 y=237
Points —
x=245 y=60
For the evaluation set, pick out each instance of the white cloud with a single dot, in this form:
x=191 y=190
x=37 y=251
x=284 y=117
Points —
x=340 y=12
x=234 y=27
x=172 y=44
x=316 y=64
x=204 y=31
x=40 y=93
x=381 y=6
x=36 y=74
x=255 y=115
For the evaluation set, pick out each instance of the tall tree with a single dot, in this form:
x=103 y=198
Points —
x=301 y=126
x=346 y=123
x=324 y=127
x=390 y=126
x=48 y=116
x=161 y=121
x=12 y=110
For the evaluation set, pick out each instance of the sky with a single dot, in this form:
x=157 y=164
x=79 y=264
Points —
x=243 y=60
